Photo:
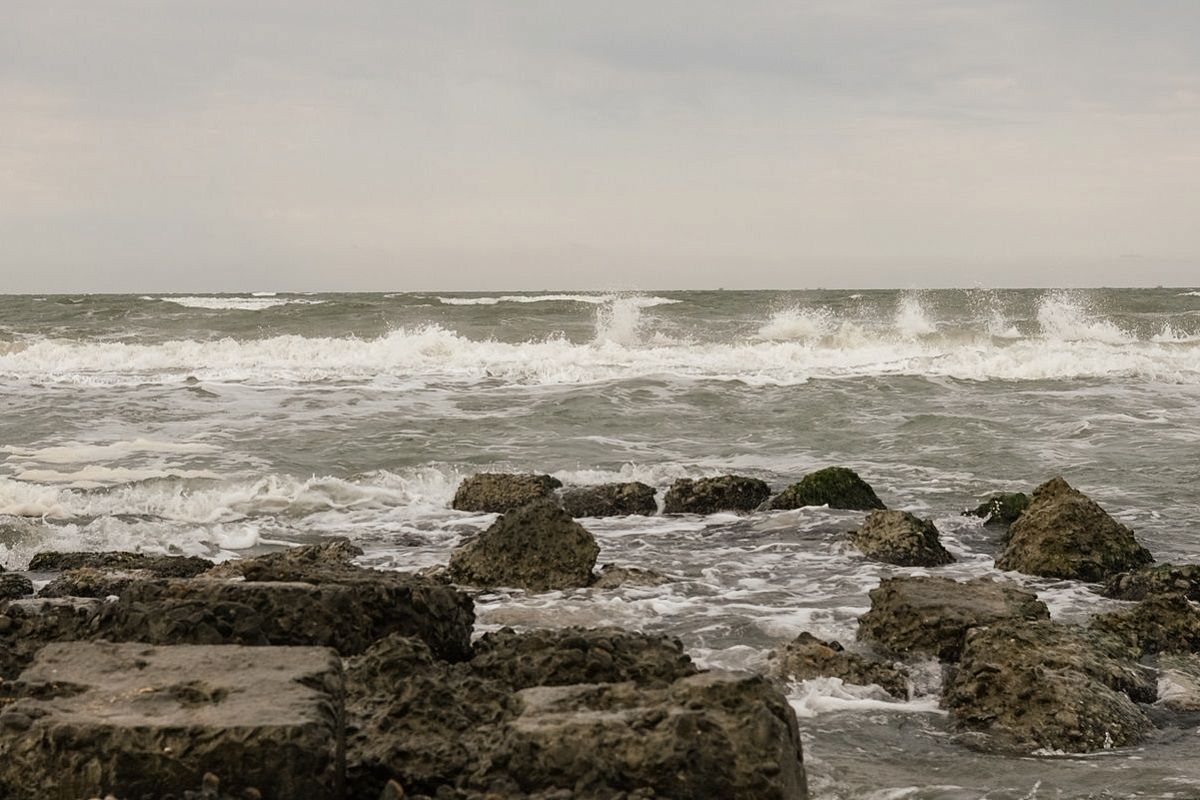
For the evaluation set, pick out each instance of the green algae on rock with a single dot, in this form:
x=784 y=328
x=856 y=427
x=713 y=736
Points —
x=836 y=487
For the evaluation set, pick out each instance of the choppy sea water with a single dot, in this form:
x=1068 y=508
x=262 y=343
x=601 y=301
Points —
x=225 y=424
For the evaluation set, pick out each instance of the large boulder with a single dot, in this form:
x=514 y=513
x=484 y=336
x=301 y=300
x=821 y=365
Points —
x=348 y=617
x=807 y=657
x=1002 y=508
x=898 y=537
x=154 y=565
x=13 y=586
x=610 y=500
x=1027 y=686
x=537 y=547
x=500 y=492
x=931 y=616
x=1064 y=534
x=140 y=721
x=836 y=487
x=1141 y=583
x=710 y=495
x=1160 y=623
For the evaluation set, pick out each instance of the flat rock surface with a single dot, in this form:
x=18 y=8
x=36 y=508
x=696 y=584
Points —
x=134 y=719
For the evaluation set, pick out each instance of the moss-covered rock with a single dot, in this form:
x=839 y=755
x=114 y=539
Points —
x=1026 y=686
x=1065 y=534
x=807 y=657
x=1002 y=508
x=499 y=492
x=710 y=495
x=1141 y=583
x=1161 y=623
x=898 y=537
x=610 y=500
x=836 y=487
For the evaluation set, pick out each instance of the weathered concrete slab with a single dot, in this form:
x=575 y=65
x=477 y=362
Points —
x=138 y=720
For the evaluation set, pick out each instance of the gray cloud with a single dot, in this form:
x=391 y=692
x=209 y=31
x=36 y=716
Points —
x=150 y=146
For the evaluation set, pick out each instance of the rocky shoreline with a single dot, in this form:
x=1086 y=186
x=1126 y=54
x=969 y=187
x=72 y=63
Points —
x=301 y=674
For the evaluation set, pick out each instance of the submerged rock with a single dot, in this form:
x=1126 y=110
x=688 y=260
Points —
x=931 y=616
x=611 y=577
x=537 y=547
x=1002 y=508
x=610 y=500
x=807 y=657
x=13 y=586
x=1137 y=585
x=1040 y=685
x=710 y=495
x=836 y=487
x=500 y=492
x=1064 y=534
x=1160 y=623
x=898 y=537
x=157 y=566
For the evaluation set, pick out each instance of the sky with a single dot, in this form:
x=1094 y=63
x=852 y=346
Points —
x=303 y=145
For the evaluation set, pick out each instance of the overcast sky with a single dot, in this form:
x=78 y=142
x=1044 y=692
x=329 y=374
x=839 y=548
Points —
x=154 y=145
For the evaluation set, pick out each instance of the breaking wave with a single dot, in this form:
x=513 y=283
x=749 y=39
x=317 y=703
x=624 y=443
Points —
x=256 y=302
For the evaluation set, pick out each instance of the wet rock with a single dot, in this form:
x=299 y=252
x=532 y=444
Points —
x=611 y=577
x=158 y=566
x=610 y=500
x=537 y=547
x=13 y=586
x=1161 y=578
x=500 y=492
x=710 y=495
x=716 y=734
x=579 y=655
x=90 y=582
x=898 y=537
x=1002 y=508
x=1029 y=685
x=311 y=559
x=931 y=616
x=807 y=657
x=1179 y=681
x=141 y=721
x=346 y=617
x=27 y=625
x=1160 y=623
x=836 y=487
x=1064 y=534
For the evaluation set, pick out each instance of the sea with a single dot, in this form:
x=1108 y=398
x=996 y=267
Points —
x=225 y=425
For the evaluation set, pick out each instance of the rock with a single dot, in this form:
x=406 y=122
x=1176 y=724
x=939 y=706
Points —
x=611 y=577
x=1160 y=623
x=158 y=566
x=90 y=582
x=579 y=655
x=716 y=734
x=537 y=547
x=27 y=625
x=1002 y=508
x=1139 y=584
x=710 y=495
x=807 y=657
x=1034 y=685
x=142 y=721
x=898 y=537
x=931 y=616
x=1179 y=681
x=500 y=492
x=1064 y=534
x=311 y=559
x=346 y=617
x=450 y=730
x=836 y=487
x=610 y=500
x=13 y=586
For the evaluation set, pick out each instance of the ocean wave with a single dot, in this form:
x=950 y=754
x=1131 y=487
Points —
x=593 y=299
x=1189 y=294
x=256 y=302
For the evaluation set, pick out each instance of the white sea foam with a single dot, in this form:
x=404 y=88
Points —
x=911 y=318
x=256 y=302
x=594 y=299
x=78 y=452
x=798 y=323
x=1065 y=317
x=1189 y=294
x=818 y=696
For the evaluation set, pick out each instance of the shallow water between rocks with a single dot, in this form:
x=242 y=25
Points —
x=227 y=425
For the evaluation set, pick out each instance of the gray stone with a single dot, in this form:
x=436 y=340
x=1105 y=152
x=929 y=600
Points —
x=710 y=495
x=898 y=537
x=610 y=500
x=309 y=558
x=1002 y=508
x=931 y=616
x=1161 y=623
x=157 y=566
x=499 y=492
x=807 y=657
x=138 y=720
x=14 y=586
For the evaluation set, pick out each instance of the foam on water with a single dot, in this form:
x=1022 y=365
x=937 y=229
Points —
x=256 y=302
x=593 y=299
